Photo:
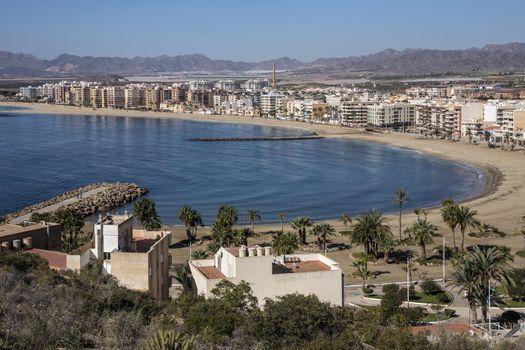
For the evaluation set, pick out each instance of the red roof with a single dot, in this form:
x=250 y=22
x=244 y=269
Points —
x=56 y=260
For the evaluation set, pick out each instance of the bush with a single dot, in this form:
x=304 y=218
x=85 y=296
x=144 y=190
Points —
x=521 y=253
x=443 y=298
x=509 y=318
x=449 y=313
x=362 y=255
x=368 y=291
x=429 y=286
x=517 y=289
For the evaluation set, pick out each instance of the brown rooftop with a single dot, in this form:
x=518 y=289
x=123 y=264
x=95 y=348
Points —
x=144 y=244
x=56 y=260
x=211 y=272
x=233 y=251
x=301 y=266
x=11 y=229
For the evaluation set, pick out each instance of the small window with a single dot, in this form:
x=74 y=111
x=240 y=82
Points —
x=107 y=256
x=150 y=272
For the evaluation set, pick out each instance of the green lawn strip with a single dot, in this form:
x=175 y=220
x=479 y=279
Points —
x=418 y=298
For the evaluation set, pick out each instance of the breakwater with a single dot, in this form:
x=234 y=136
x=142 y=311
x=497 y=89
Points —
x=86 y=200
x=257 y=138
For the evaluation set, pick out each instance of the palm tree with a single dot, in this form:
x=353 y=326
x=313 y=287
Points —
x=71 y=223
x=449 y=213
x=422 y=232
x=253 y=216
x=227 y=215
x=241 y=235
x=281 y=215
x=401 y=197
x=466 y=218
x=199 y=254
x=191 y=219
x=420 y=212
x=322 y=231
x=387 y=245
x=301 y=224
x=361 y=270
x=474 y=272
x=345 y=219
x=145 y=212
x=370 y=230
x=284 y=243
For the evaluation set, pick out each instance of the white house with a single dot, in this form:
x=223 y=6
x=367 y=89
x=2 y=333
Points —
x=270 y=276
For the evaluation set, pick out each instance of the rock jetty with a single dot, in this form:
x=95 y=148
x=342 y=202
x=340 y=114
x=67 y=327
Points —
x=110 y=196
x=261 y=138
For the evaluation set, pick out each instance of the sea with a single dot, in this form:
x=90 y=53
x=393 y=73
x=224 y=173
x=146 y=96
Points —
x=42 y=156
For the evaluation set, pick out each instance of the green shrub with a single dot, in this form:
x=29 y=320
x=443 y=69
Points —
x=449 y=313
x=429 y=286
x=443 y=298
x=368 y=291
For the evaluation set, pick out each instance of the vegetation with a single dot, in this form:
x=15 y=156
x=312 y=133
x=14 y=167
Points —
x=191 y=219
x=300 y=225
x=370 y=230
x=146 y=213
x=422 y=233
x=72 y=224
x=401 y=197
x=449 y=213
x=284 y=243
x=322 y=232
x=222 y=229
x=281 y=216
x=361 y=271
x=473 y=273
x=466 y=218
x=253 y=216
x=345 y=219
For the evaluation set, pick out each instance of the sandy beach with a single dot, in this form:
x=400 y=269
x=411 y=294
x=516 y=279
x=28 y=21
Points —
x=500 y=204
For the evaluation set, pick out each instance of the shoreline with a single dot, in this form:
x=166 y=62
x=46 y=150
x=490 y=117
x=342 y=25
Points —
x=504 y=172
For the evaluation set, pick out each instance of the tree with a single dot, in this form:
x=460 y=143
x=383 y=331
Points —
x=253 y=216
x=227 y=215
x=71 y=223
x=473 y=273
x=213 y=247
x=401 y=197
x=369 y=230
x=322 y=232
x=466 y=218
x=449 y=213
x=345 y=219
x=281 y=215
x=238 y=296
x=191 y=219
x=145 y=212
x=301 y=224
x=361 y=270
x=199 y=254
x=284 y=243
x=391 y=301
x=422 y=232
x=241 y=235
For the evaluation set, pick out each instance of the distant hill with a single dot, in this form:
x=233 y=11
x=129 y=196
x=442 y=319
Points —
x=505 y=57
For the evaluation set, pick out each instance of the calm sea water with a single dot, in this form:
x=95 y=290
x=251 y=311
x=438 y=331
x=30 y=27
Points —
x=42 y=156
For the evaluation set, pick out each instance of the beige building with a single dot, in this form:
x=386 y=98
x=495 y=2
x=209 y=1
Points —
x=270 y=276
x=43 y=235
x=139 y=259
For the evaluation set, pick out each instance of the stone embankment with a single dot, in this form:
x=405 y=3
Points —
x=87 y=200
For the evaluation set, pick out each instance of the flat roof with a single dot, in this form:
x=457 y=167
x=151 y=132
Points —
x=114 y=219
x=144 y=244
x=56 y=260
x=301 y=266
x=12 y=229
x=211 y=272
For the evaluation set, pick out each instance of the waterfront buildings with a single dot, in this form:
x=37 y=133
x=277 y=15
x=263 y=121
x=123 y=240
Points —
x=398 y=114
x=270 y=276
x=42 y=235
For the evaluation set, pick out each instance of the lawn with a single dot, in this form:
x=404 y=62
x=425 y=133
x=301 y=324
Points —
x=417 y=298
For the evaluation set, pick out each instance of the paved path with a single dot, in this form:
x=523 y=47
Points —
x=58 y=205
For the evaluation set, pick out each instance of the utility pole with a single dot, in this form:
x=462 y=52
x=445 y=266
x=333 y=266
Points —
x=444 y=259
x=490 y=325
x=408 y=283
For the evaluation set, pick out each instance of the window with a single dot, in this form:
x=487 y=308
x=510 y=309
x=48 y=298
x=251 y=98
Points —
x=107 y=256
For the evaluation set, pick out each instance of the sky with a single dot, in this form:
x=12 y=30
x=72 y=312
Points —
x=254 y=30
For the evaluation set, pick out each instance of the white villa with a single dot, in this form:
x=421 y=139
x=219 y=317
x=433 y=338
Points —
x=270 y=276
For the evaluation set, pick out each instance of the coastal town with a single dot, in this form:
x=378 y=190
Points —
x=487 y=111
x=262 y=175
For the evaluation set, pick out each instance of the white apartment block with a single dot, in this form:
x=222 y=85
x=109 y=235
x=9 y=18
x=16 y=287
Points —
x=354 y=113
x=271 y=104
x=391 y=114
x=270 y=276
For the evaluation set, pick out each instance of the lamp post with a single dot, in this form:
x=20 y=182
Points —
x=408 y=283
x=490 y=324
x=444 y=276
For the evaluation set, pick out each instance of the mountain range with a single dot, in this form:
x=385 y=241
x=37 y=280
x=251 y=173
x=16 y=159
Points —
x=504 y=57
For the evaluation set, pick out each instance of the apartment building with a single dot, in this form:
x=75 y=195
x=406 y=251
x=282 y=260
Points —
x=354 y=113
x=96 y=95
x=42 y=235
x=398 y=114
x=134 y=97
x=270 y=276
x=115 y=97
x=271 y=104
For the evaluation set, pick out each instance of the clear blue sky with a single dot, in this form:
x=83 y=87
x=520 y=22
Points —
x=254 y=29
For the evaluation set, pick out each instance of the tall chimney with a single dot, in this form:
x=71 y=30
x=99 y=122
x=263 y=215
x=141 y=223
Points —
x=273 y=76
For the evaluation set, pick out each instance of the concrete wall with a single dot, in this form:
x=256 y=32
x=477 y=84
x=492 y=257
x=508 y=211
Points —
x=47 y=237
